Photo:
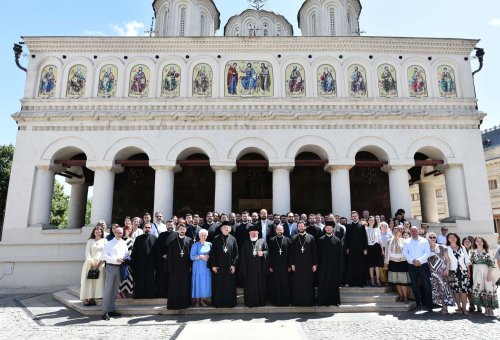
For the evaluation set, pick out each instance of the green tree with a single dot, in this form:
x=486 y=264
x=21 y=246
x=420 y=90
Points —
x=88 y=211
x=6 y=155
x=60 y=206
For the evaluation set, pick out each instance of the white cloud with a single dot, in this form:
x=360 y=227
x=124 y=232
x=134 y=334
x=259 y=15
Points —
x=131 y=29
x=495 y=22
x=94 y=33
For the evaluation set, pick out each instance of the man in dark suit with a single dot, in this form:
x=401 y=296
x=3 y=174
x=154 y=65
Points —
x=290 y=227
x=266 y=227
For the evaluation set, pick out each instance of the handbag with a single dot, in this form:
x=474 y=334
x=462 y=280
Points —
x=451 y=277
x=93 y=274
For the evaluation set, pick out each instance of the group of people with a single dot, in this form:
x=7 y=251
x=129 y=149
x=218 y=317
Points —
x=299 y=260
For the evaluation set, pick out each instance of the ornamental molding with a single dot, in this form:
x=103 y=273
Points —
x=219 y=45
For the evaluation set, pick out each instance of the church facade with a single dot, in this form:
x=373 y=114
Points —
x=187 y=121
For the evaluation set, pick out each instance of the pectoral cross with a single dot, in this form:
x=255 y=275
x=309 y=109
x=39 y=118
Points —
x=280 y=251
x=225 y=249
x=302 y=249
x=182 y=253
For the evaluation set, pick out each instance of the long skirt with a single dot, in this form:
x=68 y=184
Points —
x=398 y=273
x=484 y=292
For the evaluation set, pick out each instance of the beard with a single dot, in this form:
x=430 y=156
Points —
x=279 y=234
x=253 y=239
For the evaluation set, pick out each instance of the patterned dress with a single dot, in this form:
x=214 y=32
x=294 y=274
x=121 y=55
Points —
x=441 y=292
x=462 y=283
x=484 y=292
x=127 y=285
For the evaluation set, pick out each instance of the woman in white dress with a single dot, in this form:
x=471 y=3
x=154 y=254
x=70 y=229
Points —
x=91 y=289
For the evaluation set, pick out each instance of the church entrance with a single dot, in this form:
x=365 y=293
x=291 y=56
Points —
x=369 y=185
x=310 y=185
x=194 y=186
x=252 y=184
x=134 y=188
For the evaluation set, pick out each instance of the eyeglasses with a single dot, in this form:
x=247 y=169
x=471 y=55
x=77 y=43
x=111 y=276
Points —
x=159 y=216
x=432 y=237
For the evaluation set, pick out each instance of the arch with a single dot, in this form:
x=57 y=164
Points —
x=189 y=146
x=378 y=146
x=431 y=146
x=126 y=147
x=252 y=144
x=67 y=147
x=318 y=145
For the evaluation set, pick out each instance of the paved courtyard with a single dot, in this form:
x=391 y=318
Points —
x=37 y=315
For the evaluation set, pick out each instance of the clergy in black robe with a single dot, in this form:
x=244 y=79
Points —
x=303 y=260
x=192 y=232
x=279 y=268
x=253 y=267
x=223 y=259
x=314 y=231
x=143 y=264
x=161 y=250
x=330 y=261
x=179 y=271
x=241 y=230
x=356 y=244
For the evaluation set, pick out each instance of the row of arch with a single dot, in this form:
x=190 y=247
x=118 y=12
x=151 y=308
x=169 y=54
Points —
x=258 y=78
x=123 y=148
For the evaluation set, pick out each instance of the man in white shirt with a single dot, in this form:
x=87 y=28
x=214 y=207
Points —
x=158 y=226
x=441 y=239
x=416 y=251
x=114 y=254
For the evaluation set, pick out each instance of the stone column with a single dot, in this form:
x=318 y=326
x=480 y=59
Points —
x=341 y=189
x=456 y=191
x=281 y=189
x=428 y=202
x=77 y=203
x=400 y=189
x=41 y=200
x=164 y=190
x=223 y=188
x=102 y=200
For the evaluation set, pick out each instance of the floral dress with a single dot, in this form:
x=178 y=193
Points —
x=441 y=292
x=484 y=292
x=462 y=283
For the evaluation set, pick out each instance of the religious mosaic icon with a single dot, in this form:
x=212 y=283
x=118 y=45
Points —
x=387 y=83
x=202 y=80
x=446 y=81
x=171 y=76
x=295 y=81
x=249 y=78
x=139 y=81
x=417 y=81
x=77 y=79
x=108 y=79
x=47 y=86
x=327 y=81
x=357 y=81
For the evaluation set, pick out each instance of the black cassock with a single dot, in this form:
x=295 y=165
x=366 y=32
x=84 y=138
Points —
x=356 y=242
x=223 y=283
x=179 y=271
x=330 y=261
x=279 y=261
x=143 y=266
x=253 y=272
x=160 y=249
x=303 y=277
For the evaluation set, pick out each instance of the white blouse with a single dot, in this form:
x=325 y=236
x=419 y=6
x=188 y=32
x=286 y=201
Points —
x=373 y=235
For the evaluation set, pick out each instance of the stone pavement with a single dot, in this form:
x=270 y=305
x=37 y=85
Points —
x=39 y=316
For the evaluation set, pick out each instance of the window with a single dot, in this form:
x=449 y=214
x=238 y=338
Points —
x=202 y=26
x=349 y=26
x=182 y=31
x=415 y=197
x=314 y=26
x=492 y=184
x=266 y=32
x=332 y=21
x=439 y=193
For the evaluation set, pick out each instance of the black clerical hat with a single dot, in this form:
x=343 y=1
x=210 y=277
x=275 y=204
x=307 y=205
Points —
x=253 y=228
x=225 y=223
x=330 y=223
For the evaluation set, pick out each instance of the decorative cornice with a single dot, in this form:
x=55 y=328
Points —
x=204 y=45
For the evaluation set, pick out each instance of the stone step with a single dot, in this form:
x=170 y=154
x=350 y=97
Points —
x=135 y=307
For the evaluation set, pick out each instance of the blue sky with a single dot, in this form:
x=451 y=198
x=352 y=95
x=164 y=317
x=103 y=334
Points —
x=425 y=18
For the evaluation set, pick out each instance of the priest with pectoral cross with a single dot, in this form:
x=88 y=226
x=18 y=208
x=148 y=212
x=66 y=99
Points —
x=179 y=270
x=303 y=262
x=279 y=268
x=253 y=267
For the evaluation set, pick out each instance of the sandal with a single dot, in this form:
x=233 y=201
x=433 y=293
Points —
x=406 y=300
x=87 y=304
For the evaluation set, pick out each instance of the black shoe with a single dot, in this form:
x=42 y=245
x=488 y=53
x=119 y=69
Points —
x=114 y=313
x=105 y=317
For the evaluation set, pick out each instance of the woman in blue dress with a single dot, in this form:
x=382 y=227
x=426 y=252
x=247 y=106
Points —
x=201 y=287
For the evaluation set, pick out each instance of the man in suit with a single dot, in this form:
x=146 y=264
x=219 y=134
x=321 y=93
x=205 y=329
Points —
x=266 y=227
x=290 y=226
